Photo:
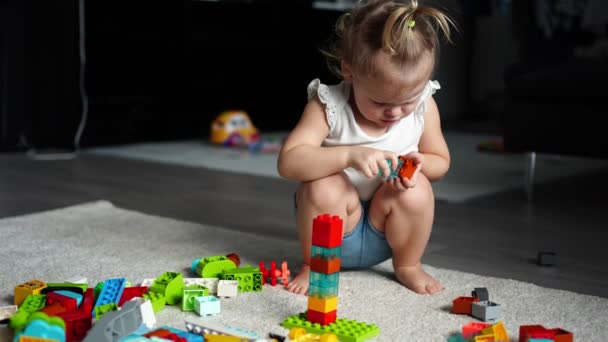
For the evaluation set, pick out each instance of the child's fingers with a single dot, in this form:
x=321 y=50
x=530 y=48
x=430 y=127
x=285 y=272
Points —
x=386 y=170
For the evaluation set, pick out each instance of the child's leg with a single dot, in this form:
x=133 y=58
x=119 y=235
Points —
x=333 y=195
x=407 y=218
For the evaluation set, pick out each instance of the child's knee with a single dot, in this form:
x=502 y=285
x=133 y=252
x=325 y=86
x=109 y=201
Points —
x=326 y=191
x=418 y=198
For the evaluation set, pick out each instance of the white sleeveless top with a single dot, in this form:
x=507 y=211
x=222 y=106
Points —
x=400 y=138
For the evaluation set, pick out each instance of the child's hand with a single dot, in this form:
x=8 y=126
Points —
x=402 y=183
x=370 y=161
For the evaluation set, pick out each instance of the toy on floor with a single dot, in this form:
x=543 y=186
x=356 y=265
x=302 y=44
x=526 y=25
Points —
x=273 y=274
x=321 y=315
x=478 y=305
x=233 y=128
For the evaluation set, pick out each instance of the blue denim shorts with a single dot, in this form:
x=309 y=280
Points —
x=364 y=246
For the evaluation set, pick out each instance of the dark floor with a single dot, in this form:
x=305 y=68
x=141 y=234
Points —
x=498 y=235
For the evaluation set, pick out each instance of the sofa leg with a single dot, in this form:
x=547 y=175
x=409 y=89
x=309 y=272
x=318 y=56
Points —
x=529 y=175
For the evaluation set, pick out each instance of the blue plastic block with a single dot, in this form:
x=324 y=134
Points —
x=207 y=305
x=71 y=294
x=323 y=285
x=111 y=292
x=325 y=252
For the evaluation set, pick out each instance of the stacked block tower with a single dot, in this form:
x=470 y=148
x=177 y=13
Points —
x=324 y=269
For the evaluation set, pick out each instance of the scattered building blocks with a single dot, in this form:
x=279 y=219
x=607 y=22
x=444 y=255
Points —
x=528 y=333
x=227 y=288
x=199 y=327
x=274 y=274
x=68 y=303
x=157 y=300
x=300 y=335
x=212 y=267
x=132 y=292
x=41 y=325
x=249 y=279
x=111 y=292
x=547 y=259
x=346 y=330
x=207 y=305
x=463 y=305
x=170 y=285
x=31 y=304
x=7 y=311
x=116 y=324
x=486 y=310
x=101 y=310
x=481 y=293
x=190 y=294
x=33 y=286
x=235 y=258
x=209 y=283
x=497 y=331
x=473 y=328
x=77 y=325
x=457 y=338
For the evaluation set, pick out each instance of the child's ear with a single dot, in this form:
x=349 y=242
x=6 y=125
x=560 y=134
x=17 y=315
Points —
x=347 y=71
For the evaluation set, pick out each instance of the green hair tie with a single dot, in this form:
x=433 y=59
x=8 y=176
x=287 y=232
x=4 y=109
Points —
x=411 y=23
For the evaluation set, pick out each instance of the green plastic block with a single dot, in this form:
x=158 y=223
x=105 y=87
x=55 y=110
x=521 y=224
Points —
x=249 y=278
x=100 y=310
x=190 y=293
x=97 y=290
x=213 y=266
x=457 y=338
x=157 y=299
x=347 y=330
x=171 y=285
x=31 y=304
x=84 y=287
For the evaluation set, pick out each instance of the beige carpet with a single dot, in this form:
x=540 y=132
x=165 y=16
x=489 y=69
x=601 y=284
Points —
x=100 y=241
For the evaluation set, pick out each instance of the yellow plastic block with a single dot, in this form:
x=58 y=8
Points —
x=497 y=330
x=223 y=338
x=323 y=305
x=31 y=287
x=484 y=338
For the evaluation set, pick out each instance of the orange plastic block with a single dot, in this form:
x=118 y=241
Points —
x=24 y=338
x=323 y=318
x=327 y=231
x=324 y=305
x=158 y=333
x=31 y=287
x=325 y=265
x=473 y=328
x=407 y=168
x=562 y=335
x=463 y=305
x=53 y=309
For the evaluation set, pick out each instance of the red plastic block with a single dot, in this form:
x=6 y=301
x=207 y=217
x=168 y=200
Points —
x=68 y=303
x=132 y=292
x=88 y=301
x=534 y=331
x=77 y=325
x=463 y=305
x=321 y=317
x=407 y=169
x=325 y=266
x=561 y=335
x=473 y=328
x=158 y=333
x=327 y=231
x=53 y=310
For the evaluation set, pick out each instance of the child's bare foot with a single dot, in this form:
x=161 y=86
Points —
x=299 y=284
x=417 y=280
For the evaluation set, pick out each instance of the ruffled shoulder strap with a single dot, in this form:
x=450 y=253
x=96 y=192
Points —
x=430 y=90
x=333 y=97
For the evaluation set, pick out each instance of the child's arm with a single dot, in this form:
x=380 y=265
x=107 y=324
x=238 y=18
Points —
x=432 y=144
x=303 y=158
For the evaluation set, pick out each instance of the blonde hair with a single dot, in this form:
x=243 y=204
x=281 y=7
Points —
x=403 y=29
